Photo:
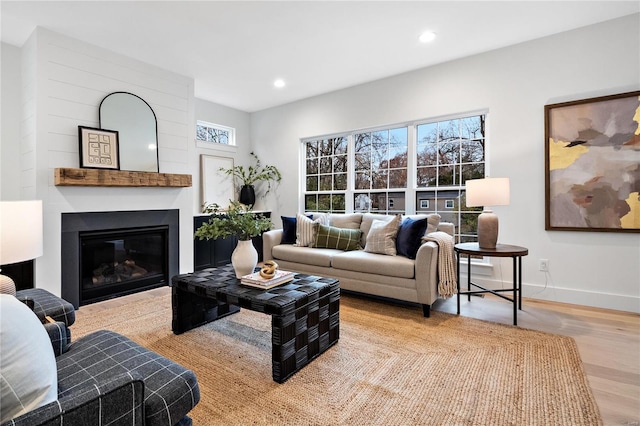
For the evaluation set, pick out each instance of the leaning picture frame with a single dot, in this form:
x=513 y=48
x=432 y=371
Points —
x=592 y=164
x=217 y=187
x=98 y=148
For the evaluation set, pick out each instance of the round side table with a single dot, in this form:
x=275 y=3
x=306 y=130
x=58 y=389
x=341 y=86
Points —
x=502 y=250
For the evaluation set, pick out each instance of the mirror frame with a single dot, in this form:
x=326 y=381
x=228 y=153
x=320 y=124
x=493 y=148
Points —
x=155 y=119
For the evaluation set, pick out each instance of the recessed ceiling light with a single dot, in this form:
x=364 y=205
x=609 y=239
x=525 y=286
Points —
x=427 y=36
x=279 y=83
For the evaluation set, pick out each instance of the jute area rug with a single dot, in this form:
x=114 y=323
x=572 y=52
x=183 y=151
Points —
x=391 y=366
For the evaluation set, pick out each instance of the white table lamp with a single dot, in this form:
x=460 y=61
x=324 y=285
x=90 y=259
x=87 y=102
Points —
x=484 y=193
x=20 y=235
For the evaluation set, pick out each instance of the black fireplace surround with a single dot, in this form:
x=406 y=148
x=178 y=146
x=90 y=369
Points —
x=110 y=254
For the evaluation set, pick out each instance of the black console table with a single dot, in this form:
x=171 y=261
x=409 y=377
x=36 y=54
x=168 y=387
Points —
x=214 y=253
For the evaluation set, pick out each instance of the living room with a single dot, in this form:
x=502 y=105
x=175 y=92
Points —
x=59 y=81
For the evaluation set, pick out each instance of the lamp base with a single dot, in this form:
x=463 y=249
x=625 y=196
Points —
x=7 y=286
x=487 y=229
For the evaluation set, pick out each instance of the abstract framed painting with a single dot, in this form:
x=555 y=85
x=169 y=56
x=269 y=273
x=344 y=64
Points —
x=98 y=148
x=592 y=164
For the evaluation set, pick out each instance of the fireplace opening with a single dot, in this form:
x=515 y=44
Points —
x=122 y=261
x=113 y=253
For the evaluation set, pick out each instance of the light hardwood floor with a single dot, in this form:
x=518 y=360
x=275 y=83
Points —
x=608 y=341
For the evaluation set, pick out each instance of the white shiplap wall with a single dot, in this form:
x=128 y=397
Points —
x=64 y=82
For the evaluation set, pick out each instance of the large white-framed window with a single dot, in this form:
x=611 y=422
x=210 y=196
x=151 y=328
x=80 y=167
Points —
x=448 y=152
x=326 y=176
x=420 y=167
x=211 y=135
x=380 y=169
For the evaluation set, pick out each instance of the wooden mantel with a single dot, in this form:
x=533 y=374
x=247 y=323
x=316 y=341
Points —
x=105 y=177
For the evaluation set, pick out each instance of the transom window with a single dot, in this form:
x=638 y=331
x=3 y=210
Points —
x=417 y=168
x=209 y=133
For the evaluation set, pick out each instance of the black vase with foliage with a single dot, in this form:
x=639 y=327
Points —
x=247 y=195
x=247 y=177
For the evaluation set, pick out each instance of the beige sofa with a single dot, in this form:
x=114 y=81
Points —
x=395 y=277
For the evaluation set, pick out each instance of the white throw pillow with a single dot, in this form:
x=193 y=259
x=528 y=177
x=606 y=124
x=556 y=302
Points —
x=28 y=373
x=306 y=229
x=382 y=236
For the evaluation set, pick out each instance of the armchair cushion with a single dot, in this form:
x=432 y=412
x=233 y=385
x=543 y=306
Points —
x=118 y=400
x=170 y=390
x=28 y=378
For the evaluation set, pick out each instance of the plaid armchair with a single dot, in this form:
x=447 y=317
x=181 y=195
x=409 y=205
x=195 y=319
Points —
x=105 y=378
x=47 y=304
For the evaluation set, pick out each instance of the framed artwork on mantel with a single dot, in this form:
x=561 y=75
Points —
x=98 y=148
x=592 y=164
x=217 y=187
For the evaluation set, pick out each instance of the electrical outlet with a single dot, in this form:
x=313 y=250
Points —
x=544 y=265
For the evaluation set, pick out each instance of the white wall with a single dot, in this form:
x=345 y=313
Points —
x=514 y=84
x=63 y=82
x=10 y=114
x=241 y=122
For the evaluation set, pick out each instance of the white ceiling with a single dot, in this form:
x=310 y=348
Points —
x=234 y=50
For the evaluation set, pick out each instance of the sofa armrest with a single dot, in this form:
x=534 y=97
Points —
x=119 y=399
x=427 y=273
x=270 y=239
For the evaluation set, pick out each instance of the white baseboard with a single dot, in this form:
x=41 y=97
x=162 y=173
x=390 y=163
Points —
x=618 y=302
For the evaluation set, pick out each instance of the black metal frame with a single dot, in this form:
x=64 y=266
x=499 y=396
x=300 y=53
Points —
x=516 y=299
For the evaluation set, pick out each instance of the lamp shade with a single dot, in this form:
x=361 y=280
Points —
x=20 y=231
x=487 y=192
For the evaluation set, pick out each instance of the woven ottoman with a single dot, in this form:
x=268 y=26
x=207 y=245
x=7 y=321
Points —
x=305 y=313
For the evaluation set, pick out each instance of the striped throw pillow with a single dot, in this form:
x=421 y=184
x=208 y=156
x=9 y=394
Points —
x=305 y=231
x=337 y=238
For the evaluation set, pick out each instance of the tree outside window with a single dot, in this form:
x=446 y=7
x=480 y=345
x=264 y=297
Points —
x=371 y=170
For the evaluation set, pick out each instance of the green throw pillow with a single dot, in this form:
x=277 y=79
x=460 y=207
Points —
x=337 y=238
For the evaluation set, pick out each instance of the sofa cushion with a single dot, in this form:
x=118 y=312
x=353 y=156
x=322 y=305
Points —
x=382 y=237
x=305 y=229
x=28 y=373
x=379 y=264
x=345 y=220
x=410 y=236
x=304 y=255
x=337 y=238
x=433 y=220
x=289 y=229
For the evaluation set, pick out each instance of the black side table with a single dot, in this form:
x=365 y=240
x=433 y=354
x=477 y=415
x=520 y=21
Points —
x=501 y=250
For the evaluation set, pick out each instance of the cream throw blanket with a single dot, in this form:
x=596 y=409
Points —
x=447 y=285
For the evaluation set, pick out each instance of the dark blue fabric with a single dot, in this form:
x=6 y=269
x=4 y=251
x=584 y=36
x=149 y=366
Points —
x=409 y=236
x=289 y=229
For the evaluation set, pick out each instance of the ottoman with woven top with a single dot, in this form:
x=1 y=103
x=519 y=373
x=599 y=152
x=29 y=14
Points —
x=305 y=312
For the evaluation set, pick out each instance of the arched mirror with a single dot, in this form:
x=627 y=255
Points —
x=136 y=123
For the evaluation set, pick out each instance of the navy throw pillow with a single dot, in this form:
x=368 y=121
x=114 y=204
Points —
x=289 y=229
x=409 y=236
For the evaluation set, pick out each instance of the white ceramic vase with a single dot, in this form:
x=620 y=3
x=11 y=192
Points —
x=244 y=258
